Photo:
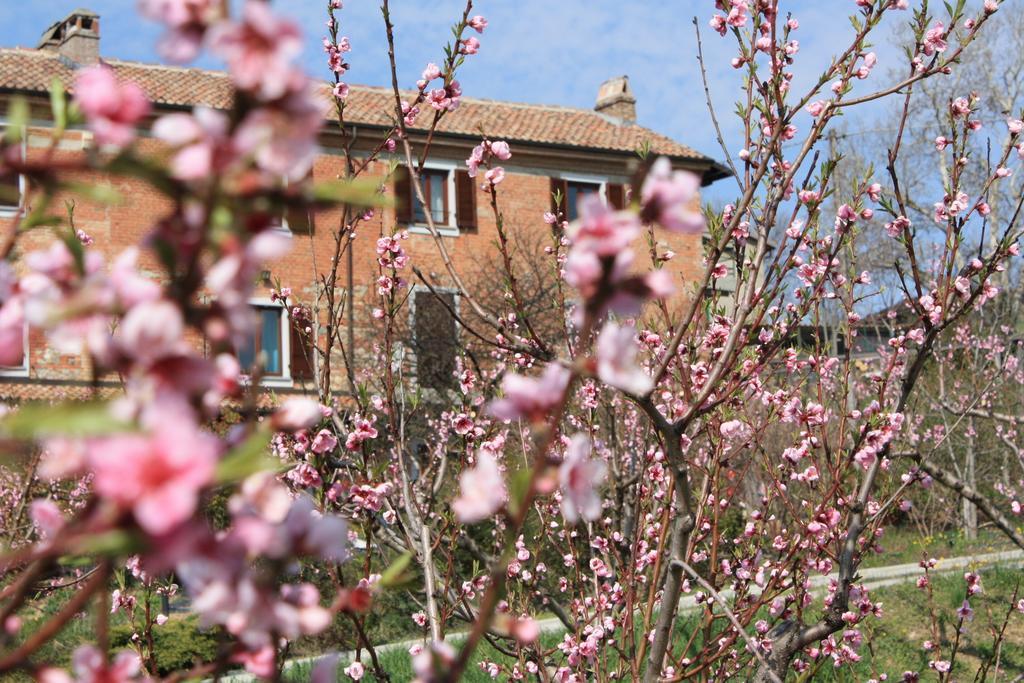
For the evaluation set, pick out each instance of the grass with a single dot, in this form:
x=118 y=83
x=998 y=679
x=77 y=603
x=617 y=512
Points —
x=903 y=545
x=892 y=644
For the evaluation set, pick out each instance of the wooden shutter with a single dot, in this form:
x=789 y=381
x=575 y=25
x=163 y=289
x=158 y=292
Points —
x=465 y=202
x=299 y=220
x=559 y=185
x=10 y=190
x=403 y=196
x=301 y=355
x=435 y=339
x=616 y=195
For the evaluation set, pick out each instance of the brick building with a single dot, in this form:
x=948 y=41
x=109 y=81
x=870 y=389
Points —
x=572 y=150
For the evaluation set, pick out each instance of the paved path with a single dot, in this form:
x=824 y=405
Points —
x=875 y=577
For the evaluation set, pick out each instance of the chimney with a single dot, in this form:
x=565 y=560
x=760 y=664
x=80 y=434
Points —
x=615 y=98
x=76 y=37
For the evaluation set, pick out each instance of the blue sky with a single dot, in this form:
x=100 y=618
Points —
x=542 y=51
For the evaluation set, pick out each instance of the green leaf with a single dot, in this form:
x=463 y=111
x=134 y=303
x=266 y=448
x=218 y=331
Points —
x=58 y=104
x=113 y=543
x=396 y=575
x=17 y=119
x=519 y=482
x=77 y=419
x=76 y=248
x=248 y=458
x=352 y=192
x=149 y=170
x=100 y=193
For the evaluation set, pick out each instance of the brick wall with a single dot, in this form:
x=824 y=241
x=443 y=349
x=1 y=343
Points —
x=523 y=198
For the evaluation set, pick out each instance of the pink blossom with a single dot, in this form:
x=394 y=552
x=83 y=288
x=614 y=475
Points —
x=671 y=198
x=617 y=360
x=112 y=108
x=364 y=431
x=431 y=72
x=46 y=517
x=531 y=398
x=296 y=414
x=470 y=46
x=258 y=50
x=152 y=330
x=324 y=442
x=578 y=478
x=341 y=90
x=525 y=630
x=735 y=431
x=897 y=227
x=462 y=424
x=500 y=150
x=12 y=332
x=482 y=490
x=157 y=476
x=601 y=230
x=201 y=139
x=259 y=662
x=960 y=107
x=495 y=175
x=186 y=21
x=283 y=140
x=477 y=23
x=815 y=108
x=90 y=666
x=934 y=39
x=355 y=671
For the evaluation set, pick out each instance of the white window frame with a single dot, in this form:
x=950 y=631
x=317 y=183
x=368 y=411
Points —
x=283 y=225
x=451 y=229
x=23 y=369
x=9 y=211
x=285 y=378
x=416 y=289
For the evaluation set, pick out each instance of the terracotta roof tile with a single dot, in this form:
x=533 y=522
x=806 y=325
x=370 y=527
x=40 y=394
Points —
x=33 y=70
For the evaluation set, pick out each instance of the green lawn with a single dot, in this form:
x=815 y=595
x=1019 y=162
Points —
x=892 y=645
x=907 y=545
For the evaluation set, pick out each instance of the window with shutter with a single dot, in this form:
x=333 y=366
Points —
x=575 y=191
x=434 y=338
x=10 y=189
x=465 y=202
x=301 y=354
x=20 y=368
x=264 y=348
x=434 y=184
x=616 y=195
x=403 y=196
x=299 y=220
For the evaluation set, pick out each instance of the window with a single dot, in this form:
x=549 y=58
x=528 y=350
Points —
x=449 y=200
x=570 y=192
x=574 y=192
x=10 y=187
x=278 y=346
x=435 y=340
x=265 y=347
x=435 y=192
x=20 y=368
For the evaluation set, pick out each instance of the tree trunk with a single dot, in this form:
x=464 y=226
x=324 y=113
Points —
x=969 y=509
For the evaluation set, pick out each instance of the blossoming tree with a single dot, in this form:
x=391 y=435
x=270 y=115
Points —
x=647 y=451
